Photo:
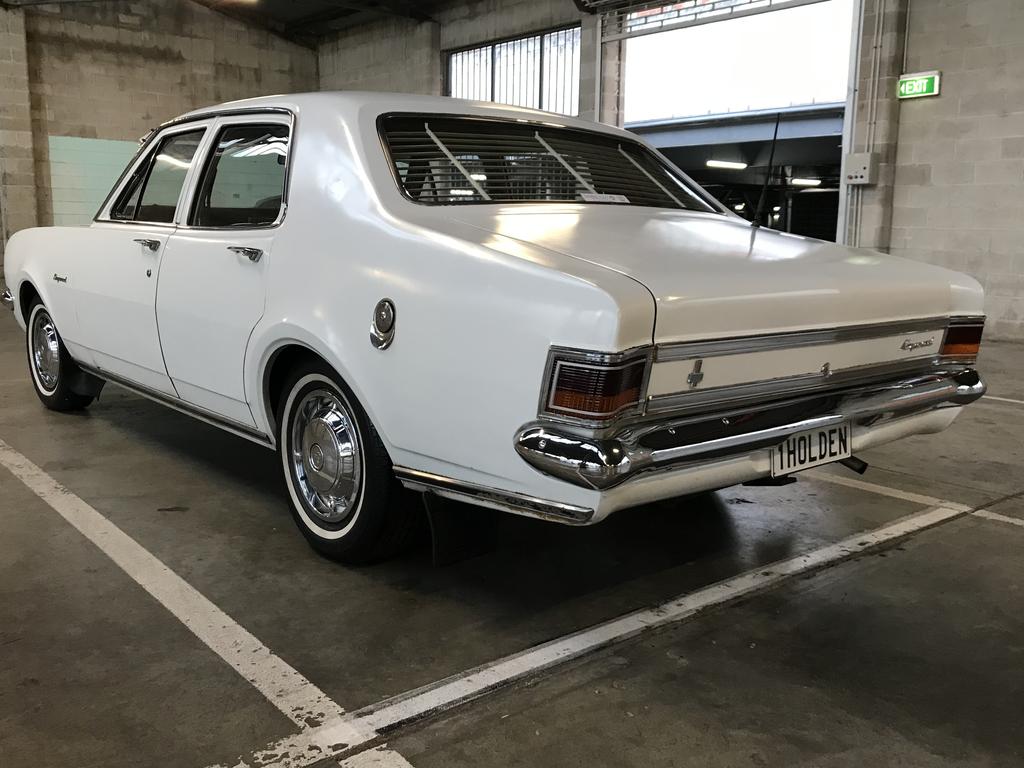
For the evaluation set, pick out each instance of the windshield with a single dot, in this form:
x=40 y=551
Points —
x=444 y=160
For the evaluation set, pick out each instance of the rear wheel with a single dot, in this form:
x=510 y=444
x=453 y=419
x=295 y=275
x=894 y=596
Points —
x=345 y=498
x=53 y=370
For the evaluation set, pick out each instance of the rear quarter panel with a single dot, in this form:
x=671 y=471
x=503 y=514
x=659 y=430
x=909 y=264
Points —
x=476 y=315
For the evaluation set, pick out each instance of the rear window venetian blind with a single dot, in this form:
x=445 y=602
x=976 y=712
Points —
x=462 y=160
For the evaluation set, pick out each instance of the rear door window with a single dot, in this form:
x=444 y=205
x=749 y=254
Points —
x=243 y=182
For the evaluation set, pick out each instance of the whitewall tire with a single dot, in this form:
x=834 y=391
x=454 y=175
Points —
x=344 y=496
x=49 y=363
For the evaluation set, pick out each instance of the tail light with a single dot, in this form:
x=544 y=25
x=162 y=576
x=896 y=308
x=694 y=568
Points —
x=594 y=387
x=963 y=339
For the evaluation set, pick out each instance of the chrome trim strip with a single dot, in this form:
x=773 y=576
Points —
x=506 y=501
x=7 y=299
x=688 y=350
x=757 y=391
x=603 y=463
x=228 y=425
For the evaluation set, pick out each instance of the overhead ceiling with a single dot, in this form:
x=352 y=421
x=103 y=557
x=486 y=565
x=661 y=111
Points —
x=308 y=20
x=301 y=20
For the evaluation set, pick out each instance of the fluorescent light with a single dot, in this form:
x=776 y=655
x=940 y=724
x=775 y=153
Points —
x=739 y=206
x=462 y=192
x=775 y=216
x=478 y=176
x=726 y=164
x=777 y=208
x=805 y=182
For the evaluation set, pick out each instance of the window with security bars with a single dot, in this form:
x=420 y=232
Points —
x=540 y=71
x=446 y=160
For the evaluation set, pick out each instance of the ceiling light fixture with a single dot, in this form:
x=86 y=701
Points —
x=732 y=166
x=805 y=182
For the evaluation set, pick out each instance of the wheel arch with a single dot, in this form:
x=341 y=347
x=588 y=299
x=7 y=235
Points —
x=27 y=293
x=282 y=360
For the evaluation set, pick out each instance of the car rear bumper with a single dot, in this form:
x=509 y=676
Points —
x=712 y=443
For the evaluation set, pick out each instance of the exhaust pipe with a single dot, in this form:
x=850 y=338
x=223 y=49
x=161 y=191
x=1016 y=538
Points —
x=855 y=465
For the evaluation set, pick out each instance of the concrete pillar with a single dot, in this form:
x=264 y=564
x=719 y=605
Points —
x=600 y=76
x=876 y=129
x=17 y=173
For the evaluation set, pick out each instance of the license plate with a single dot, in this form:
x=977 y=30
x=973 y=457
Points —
x=812 y=448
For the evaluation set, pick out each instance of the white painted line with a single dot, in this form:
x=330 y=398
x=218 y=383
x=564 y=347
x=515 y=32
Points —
x=478 y=682
x=380 y=757
x=1004 y=399
x=295 y=696
x=999 y=518
x=884 y=490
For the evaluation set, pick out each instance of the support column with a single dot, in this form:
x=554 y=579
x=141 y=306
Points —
x=17 y=170
x=876 y=127
x=602 y=67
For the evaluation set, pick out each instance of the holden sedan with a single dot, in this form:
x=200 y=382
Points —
x=500 y=306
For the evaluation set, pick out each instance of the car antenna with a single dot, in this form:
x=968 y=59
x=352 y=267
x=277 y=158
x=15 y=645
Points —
x=768 y=176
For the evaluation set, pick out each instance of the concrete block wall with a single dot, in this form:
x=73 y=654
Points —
x=114 y=70
x=958 y=197
x=17 y=170
x=396 y=55
x=407 y=56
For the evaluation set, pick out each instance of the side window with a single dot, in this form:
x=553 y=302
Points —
x=243 y=183
x=152 y=193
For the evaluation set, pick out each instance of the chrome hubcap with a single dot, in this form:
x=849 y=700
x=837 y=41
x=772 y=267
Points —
x=325 y=455
x=45 y=350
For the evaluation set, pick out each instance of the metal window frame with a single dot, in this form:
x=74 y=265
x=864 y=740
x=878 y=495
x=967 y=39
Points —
x=492 y=45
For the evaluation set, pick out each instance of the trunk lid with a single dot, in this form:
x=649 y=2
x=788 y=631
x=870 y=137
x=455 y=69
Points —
x=714 y=276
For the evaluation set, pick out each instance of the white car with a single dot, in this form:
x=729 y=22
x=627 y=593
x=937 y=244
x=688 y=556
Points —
x=502 y=306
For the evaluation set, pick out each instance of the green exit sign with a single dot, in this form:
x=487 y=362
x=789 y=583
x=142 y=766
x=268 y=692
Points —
x=918 y=85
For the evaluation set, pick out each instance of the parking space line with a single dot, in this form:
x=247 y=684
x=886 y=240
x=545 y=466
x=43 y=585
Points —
x=379 y=757
x=999 y=518
x=295 y=696
x=1003 y=399
x=475 y=683
x=884 y=490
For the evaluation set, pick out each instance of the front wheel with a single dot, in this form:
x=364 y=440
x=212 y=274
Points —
x=345 y=498
x=53 y=370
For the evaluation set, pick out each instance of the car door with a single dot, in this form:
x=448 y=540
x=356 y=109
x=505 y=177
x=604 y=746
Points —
x=213 y=276
x=118 y=262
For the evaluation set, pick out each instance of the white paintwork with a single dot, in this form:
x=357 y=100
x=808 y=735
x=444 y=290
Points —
x=482 y=292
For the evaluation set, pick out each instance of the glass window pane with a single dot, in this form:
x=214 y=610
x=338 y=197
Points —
x=507 y=161
x=243 y=184
x=161 y=188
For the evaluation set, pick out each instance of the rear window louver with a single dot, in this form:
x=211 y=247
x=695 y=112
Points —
x=455 y=161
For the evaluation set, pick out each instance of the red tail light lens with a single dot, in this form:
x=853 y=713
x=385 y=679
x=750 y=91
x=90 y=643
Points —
x=594 y=390
x=963 y=340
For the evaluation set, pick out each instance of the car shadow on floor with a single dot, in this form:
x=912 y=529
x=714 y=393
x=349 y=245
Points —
x=524 y=563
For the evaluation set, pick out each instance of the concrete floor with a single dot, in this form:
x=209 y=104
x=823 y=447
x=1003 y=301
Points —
x=911 y=655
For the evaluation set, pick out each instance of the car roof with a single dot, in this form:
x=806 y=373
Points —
x=355 y=102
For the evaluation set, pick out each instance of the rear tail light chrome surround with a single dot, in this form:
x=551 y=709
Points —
x=594 y=388
x=962 y=340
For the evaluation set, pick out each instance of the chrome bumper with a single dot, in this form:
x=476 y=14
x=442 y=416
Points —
x=602 y=463
x=7 y=299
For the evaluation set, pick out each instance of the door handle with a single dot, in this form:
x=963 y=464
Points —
x=151 y=245
x=252 y=254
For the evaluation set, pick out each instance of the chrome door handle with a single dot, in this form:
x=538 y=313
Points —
x=152 y=245
x=252 y=254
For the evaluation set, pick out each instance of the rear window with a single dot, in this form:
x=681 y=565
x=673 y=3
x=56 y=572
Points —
x=446 y=160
